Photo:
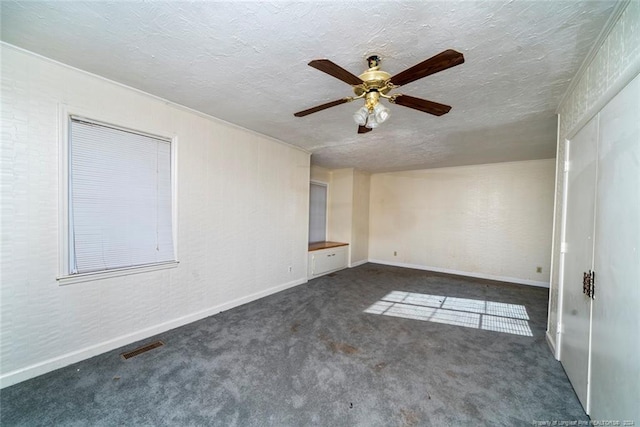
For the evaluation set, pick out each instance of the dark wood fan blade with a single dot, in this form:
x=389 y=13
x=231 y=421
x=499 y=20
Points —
x=321 y=107
x=447 y=59
x=364 y=129
x=336 y=71
x=422 y=105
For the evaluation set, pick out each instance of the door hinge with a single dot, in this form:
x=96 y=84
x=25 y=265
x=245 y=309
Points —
x=566 y=166
x=588 y=283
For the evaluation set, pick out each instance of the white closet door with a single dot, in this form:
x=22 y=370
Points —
x=615 y=357
x=578 y=258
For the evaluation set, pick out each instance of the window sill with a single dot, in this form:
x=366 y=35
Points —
x=99 y=275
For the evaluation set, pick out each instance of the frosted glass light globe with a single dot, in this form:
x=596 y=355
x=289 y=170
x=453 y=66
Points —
x=360 y=116
x=382 y=113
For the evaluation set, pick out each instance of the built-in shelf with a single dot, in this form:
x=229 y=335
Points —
x=325 y=245
x=327 y=257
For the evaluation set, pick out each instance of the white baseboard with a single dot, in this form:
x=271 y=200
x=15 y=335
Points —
x=49 y=365
x=464 y=273
x=357 y=263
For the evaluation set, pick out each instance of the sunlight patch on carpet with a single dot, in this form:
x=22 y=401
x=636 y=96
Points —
x=470 y=313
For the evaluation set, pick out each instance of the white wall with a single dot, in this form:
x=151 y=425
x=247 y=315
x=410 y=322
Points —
x=320 y=174
x=360 y=229
x=340 y=206
x=615 y=63
x=242 y=221
x=492 y=221
x=348 y=211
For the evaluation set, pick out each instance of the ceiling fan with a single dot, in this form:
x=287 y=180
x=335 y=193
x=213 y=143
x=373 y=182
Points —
x=374 y=84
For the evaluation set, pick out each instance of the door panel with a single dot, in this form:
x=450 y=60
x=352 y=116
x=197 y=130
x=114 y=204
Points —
x=578 y=258
x=615 y=366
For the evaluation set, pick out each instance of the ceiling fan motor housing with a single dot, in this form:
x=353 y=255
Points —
x=373 y=78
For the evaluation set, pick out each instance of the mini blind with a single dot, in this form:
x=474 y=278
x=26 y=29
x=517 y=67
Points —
x=317 y=213
x=119 y=198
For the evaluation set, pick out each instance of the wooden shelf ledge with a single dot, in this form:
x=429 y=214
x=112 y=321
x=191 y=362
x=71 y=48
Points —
x=325 y=245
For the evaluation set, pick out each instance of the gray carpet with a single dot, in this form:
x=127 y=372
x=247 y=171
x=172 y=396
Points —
x=311 y=356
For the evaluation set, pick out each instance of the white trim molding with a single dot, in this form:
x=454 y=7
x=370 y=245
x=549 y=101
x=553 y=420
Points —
x=358 y=263
x=464 y=273
x=49 y=365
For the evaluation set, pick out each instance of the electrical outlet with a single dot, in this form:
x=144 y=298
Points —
x=395 y=253
x=538 y=269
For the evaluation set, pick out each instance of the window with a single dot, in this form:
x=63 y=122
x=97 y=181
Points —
x=119 y=198
x=317 y=212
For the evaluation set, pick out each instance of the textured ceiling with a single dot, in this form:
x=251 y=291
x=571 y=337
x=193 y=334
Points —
x=246 y=63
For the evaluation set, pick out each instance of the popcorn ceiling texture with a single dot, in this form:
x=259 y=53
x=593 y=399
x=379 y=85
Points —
x=246 y=63
x=615 y=62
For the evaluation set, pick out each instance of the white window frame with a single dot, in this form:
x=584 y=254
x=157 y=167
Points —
x=326 y=207
x=125 y=124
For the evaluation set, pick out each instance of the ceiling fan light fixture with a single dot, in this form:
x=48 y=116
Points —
x=372 y=122
x=374 y=84
x=360 y=116
x=381 y=112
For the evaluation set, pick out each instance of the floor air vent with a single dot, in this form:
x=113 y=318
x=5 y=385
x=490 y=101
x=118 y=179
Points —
x=140 y=350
